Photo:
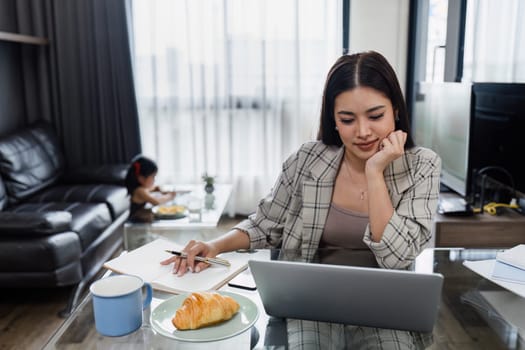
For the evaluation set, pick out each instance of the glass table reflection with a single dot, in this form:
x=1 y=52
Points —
x=474 y=313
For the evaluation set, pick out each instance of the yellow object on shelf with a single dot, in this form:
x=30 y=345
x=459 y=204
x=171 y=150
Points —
x=492 y=207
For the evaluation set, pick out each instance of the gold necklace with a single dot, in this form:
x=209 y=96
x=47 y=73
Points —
x=362 y=192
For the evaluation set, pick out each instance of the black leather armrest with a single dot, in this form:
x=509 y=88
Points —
x=31 y=223
x=89 y=174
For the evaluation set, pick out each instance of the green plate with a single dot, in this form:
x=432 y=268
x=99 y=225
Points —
x=179 y=215
x=241 y=321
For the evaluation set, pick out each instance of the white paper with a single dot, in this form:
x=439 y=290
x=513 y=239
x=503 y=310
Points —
x=485 y=269
x=514 y=256
x=509 y=273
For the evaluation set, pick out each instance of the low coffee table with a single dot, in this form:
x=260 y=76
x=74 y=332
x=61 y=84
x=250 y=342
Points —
x=183 y=229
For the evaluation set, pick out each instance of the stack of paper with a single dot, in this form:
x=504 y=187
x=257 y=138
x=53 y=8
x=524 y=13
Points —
x=510 y=265
x=507 y=270
x=485 y=269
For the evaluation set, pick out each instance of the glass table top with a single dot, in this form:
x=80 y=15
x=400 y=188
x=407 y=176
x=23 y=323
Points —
x=473 y=312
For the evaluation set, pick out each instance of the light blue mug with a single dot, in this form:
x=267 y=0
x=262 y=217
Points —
x=118 y=304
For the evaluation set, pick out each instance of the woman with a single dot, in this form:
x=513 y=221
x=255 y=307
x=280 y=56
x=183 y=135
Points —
x=365 y=162
x=363 y=184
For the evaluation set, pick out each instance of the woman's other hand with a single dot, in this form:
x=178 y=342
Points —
x=192 y=249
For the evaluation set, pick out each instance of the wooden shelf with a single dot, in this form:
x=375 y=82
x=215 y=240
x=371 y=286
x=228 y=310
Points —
x=479 y=230
x=24 y=39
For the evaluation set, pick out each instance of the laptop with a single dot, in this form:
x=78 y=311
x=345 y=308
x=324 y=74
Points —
x=353 y=295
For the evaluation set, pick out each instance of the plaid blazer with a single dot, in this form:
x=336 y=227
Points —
x=293 y=215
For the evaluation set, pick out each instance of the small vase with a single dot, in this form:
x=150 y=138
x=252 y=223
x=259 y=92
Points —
x=209 y=188
x=209 y=201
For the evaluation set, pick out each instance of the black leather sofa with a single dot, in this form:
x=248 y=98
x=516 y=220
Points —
x=57 y=226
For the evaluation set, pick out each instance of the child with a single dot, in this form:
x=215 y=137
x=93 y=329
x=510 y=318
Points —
x=140 y=182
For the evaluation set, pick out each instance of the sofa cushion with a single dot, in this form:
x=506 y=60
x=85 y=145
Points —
x=114 y=174
x=44 y=253
x=3 y=196
x=30 y=160
x=115 y=197
x=34 y=223
x=89 y=220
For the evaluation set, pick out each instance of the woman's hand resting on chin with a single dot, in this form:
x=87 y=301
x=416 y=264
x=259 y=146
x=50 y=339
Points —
x=390 y=148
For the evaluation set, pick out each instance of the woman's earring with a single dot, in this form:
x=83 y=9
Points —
x=336 y=128
x=397 y=117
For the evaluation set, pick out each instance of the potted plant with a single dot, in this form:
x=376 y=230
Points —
x=208 y=181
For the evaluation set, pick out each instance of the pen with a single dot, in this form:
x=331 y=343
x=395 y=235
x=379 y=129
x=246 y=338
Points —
x=218 y=261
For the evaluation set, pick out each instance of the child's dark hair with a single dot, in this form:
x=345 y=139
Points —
x=140 y=165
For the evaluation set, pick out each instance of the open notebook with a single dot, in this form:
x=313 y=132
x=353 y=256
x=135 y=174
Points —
x=145 y=263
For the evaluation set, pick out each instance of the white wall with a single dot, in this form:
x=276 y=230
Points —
x=381 y=25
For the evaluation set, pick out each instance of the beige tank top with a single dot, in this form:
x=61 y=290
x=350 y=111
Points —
x=344 y=228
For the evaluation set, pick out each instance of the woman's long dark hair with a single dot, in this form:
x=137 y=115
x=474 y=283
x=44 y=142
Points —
x=367 y=69
x=140 y=165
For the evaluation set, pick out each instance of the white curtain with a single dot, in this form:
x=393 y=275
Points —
x=231 y=87
x=495 y=41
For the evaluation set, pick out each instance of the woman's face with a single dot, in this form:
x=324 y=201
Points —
x=363 y=117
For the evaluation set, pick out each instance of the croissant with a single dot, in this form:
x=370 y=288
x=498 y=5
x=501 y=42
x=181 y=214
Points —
x=201 y=309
